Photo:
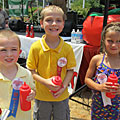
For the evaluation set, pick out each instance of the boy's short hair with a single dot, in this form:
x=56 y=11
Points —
x=9 y=34
x=52 y=8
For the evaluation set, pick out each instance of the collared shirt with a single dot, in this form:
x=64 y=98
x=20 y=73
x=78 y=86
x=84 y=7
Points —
x=6 y=92
x=44 y=60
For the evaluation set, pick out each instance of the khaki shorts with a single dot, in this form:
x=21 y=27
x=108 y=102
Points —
x=44 y=110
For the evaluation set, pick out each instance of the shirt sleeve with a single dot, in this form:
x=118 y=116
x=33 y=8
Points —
x=71 y=61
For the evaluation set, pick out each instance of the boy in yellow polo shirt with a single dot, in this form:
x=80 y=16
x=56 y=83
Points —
x=12 y=76
x=48 y=57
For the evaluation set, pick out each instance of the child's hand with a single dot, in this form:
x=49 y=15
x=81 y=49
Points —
x=105 y=87
x=59 y=92
x=31 y=95
x=116 y=89
x=51 y=85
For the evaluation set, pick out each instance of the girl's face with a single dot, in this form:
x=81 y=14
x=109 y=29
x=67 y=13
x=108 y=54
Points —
x=52 y=23
x=9 y=51
x=112 y=42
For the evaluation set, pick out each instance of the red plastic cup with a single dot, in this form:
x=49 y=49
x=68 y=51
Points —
x=57 y=81
x=114 y=79
x=24 y=92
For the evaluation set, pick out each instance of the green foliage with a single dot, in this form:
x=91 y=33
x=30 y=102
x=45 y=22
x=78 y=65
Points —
x=34 y=18
x=77 y=6
x=80 y=10
x=94 y=3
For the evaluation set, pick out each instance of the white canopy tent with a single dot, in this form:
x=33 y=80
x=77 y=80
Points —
x=83 y=3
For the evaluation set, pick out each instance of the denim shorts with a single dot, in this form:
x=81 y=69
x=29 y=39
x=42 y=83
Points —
x=44 y=110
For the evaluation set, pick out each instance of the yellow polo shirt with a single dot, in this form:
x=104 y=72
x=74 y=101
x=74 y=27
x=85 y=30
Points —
x=44 y=60
x=6 y=92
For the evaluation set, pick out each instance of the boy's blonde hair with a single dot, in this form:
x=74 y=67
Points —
x=113 y=26
x=53 y=8
x=6 y=33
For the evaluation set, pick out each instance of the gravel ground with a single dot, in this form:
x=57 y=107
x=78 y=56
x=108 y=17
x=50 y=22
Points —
x=77 y=110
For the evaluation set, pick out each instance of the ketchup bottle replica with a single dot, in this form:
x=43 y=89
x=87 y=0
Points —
x=27 y=31
x=57 y=81
x=32 y=32
x=0 y=111
x=24 y=92
x=114 y=79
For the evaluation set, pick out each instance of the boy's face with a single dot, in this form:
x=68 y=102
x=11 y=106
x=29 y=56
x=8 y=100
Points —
x=9 y=51
x=52 y=23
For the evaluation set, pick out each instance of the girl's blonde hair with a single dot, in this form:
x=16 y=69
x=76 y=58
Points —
x=6 y=33
x=52 y=8
x=113 y=26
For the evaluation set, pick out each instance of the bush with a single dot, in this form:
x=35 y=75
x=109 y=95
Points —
x=77 y=6
x=81 y=11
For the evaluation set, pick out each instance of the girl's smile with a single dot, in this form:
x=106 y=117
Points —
x=112 y=42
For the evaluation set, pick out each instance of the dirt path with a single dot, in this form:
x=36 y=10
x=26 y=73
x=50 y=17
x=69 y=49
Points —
x=77 y=110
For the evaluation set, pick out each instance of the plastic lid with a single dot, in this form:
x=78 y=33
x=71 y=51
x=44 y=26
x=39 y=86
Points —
x=113 y=76
x=25 y=86
x=57 y=80
x=73 y=30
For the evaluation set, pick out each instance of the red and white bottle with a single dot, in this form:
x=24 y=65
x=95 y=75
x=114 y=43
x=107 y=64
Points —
x=114 y=79
x=32 y=32
x=0 y=111
x=57 y=81
x=27 y=31
x=24 y=92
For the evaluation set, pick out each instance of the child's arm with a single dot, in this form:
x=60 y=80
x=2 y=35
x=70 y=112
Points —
x=47 y=82
x=95 y=61
x=32 y=85
x=68 y=78
x=66 y=82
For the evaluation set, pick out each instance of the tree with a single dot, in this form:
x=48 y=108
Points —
x=94 y=3
x=77 y=6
